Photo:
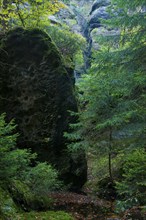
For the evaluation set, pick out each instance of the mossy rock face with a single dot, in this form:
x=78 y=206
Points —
x=50 y=215
x=37 y=91
x=8 y=208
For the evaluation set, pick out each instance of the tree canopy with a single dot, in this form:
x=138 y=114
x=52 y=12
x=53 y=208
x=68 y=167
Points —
x=27 y=13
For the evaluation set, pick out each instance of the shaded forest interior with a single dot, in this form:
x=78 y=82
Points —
x=73 y=109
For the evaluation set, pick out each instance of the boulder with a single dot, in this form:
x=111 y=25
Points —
x=36 y=90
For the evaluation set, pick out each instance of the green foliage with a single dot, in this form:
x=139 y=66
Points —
x=27 y=13
x=49 y=215
x=69 y=44
x=8 y=208
x=112 y=95
x=123 y=205
x=42 y=179
x=133 y=184
x=7 y=141
x=32 y=14
x=66 y=1
x=14 y=162
x=27 y=199
x=26 y=183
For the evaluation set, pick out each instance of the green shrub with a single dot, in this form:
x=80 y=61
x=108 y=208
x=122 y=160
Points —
x=29 y=200
x=14 y=162
x=28 y=185
x=42 y=179
x=132 y=187
x=70 y=45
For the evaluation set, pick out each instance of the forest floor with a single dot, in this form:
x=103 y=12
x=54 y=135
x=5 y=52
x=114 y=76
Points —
x=87 y=205
x=83 y=207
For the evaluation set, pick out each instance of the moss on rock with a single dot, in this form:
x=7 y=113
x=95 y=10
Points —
x=9 y=211
x=8 y=208
x=50 y=215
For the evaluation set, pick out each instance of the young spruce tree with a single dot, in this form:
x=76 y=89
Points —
x=113 y=95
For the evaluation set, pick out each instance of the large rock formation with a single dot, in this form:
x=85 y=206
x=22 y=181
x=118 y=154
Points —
x=98 y=14
x=37 y=91
x=99 y=3
x=84 y=16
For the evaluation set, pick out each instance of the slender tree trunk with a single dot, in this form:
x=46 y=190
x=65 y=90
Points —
x=20 y=16
x=109 y=155
x=110 y=166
